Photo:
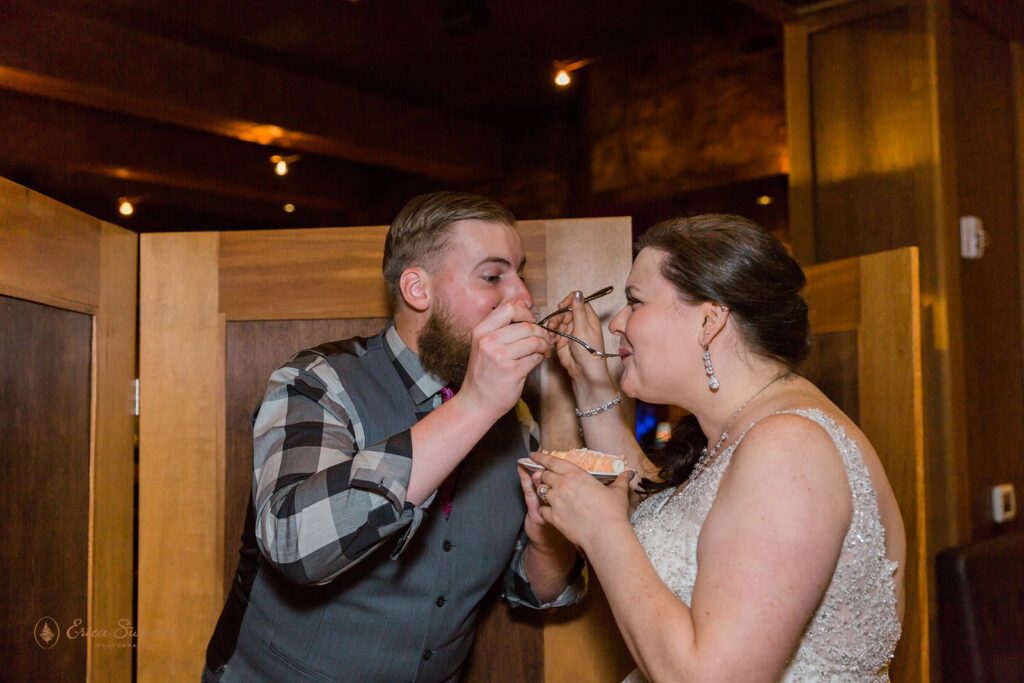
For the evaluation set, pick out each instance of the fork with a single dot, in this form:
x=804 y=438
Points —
x=588 y=347
x=596 y=295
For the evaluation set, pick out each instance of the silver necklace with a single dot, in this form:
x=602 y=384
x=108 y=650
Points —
x=707 y=457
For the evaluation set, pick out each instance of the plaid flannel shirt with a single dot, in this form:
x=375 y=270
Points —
x=324 y=500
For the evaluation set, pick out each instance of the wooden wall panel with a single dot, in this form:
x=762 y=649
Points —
x=181 y=454
x=892 y=416
x=40 y=257
x=833 y=366
x=112 y=522
x=44 y=491
x=992 y=297
x=835 y=291
x=590 y=628
x=52 y=254
x=337 y=270
x=862 y=98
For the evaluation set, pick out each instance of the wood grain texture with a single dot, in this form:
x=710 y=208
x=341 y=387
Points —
x=52 y=254
x=296 y=274
x=800 y=140
x=604 y=257
x=112 y=517
x=862 y=97
x=48 y=252
x=833 y=367
x=892 y=417
x=992 y=296
x=832 y=294
x=509 y=645
x=45 y=392
x=337 y=271
x=181 y=437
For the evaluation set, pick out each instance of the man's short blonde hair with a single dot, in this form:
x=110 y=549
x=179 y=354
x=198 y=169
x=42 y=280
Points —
x=419 y=234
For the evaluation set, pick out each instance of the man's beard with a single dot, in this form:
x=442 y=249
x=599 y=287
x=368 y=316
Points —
x=444 y=350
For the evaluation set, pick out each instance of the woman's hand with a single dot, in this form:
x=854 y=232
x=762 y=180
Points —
x=538 y=530
x=577 y=504
x=585 y=369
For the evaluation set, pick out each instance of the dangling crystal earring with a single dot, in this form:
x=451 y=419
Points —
x=713 y=383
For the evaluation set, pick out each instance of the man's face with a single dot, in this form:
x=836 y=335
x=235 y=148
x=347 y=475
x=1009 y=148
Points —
x=480 y=270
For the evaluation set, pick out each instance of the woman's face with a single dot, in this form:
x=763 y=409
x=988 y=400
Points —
x=658 y=333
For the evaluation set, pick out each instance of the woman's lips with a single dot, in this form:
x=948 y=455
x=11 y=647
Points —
x=624 y=352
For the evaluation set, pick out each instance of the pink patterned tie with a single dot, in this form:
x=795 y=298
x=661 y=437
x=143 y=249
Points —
x=447 y=490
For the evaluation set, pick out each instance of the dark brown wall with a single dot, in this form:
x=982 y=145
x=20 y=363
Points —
x=683 y=125
x=45 y=387
x=688 y=113
x=986 y=187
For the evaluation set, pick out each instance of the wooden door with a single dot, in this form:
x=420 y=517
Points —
x=865 y=318
x=67 y=360
x=218 y=312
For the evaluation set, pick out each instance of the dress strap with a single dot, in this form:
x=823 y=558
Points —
x=815 y=415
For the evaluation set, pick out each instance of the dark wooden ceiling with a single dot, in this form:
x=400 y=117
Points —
x=180 y=104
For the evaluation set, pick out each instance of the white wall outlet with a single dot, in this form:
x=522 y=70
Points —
x=1004 y=503
x=973 y=237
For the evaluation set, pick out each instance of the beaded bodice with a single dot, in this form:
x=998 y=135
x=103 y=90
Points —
x=853 y=632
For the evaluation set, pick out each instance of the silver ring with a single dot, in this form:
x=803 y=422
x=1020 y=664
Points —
x=543 y=492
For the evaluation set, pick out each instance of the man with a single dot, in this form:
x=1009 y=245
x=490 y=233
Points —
x=385 y=502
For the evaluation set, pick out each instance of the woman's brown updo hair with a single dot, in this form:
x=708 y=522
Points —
x=731 y=261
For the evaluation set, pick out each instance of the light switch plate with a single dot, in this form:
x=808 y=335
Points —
x=973 y=237
x=1004 y=503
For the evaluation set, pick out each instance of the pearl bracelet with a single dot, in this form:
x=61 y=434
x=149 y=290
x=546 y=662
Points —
x=604 y=407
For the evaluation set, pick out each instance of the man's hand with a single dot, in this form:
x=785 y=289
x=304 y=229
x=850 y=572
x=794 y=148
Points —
x=506 y=346
x=550 y=556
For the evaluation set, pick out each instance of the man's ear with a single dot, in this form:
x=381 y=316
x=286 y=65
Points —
x=414 y=284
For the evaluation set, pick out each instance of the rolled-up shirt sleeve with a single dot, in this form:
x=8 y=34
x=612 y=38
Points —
x=322 y=502
x=516 y=586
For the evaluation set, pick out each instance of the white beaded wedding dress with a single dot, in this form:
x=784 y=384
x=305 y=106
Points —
x=852 y=634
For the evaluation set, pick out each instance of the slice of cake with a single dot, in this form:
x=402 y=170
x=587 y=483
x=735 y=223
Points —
x=592 y=461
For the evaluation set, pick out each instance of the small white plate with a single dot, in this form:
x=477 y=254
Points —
x=529 y=464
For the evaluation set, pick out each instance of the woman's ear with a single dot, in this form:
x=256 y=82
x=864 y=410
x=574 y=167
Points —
x=414 y=284
x=713 y=318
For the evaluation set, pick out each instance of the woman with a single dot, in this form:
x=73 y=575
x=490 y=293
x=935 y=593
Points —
x=772 y=548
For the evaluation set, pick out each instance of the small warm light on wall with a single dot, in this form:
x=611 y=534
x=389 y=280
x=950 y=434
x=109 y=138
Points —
x=564 y=68
x=125 y=207
x=289 y=208
x=764 y=200
x=282 y=164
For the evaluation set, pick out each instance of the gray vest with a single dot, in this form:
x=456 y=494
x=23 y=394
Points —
x=407 y=619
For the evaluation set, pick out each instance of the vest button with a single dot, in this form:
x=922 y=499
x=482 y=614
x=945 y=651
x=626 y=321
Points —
x=427 y=654
x=446 y=546
x=440 y=601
